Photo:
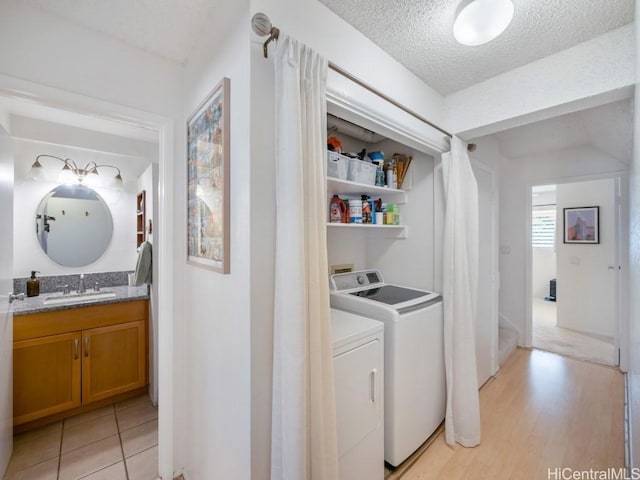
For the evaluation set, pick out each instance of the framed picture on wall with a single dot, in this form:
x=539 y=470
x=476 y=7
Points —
x=208 y=182
x=582 y=225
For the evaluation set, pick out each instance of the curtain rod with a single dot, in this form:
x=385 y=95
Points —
x=262 y=26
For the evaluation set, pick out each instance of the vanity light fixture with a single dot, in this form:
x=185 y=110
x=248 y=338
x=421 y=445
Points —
x=480 y=21
x=72 y=173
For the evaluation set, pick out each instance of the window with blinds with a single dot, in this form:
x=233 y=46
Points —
x=543 y=227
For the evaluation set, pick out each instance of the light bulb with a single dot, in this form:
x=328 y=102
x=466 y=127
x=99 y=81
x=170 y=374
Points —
x=67 y=177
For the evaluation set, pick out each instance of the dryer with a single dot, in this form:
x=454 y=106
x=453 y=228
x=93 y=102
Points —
x=414 y=389
x=358 y=350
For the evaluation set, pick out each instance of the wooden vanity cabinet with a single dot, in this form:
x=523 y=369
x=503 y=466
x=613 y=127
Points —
x=46 y=376
x=113 y=360
x=67 y=359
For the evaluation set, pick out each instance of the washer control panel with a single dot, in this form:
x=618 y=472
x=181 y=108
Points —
x=351 y=280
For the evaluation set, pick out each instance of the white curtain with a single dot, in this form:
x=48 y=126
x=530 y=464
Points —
x=304 y=442
x=460 y=287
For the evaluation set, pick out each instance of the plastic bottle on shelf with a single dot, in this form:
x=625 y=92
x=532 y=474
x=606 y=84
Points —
x=355 y=210
x=366 y=209
x=392 y=175
x=380 y=173
x=389 y=215
x=337 y=210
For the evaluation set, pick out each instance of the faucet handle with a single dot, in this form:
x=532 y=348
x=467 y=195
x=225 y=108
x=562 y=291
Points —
x=66 y=290
x=96 y=286
x=15 y=296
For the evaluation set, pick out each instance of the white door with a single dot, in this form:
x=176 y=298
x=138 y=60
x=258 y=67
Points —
x=6 y=286
x=487 y=323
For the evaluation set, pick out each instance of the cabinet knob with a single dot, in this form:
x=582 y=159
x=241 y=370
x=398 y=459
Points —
x=86 y=346
x=76 y=342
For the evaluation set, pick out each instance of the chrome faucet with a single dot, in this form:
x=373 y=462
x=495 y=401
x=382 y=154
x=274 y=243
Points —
x=81 y=287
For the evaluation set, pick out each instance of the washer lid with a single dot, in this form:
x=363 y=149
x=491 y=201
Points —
x=391 y=294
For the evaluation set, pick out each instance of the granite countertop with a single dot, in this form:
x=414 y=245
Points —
x=36 y=304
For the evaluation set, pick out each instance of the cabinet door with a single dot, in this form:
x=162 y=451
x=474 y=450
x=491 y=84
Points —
x=359 y=394
x=46 y=376
x=113 y=360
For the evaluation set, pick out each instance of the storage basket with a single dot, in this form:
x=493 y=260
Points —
x=337 y=165
x=362 y=172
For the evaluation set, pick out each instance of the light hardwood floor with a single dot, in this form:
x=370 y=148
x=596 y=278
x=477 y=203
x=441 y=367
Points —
x=541 y=411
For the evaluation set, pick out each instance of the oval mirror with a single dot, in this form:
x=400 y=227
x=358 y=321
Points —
x=73 y=225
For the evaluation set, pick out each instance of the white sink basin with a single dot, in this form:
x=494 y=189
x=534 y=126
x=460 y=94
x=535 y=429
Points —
x=77 y=297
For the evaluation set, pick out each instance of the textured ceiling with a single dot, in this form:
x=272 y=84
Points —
x=416 y=32
x=419 y=34
x=167 y=28
x=608 y=128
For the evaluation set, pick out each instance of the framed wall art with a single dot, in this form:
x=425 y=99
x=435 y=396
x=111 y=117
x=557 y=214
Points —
x=582 y=225
x=208 y=221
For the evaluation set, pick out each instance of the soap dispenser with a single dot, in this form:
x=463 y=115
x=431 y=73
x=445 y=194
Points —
x=33 y=285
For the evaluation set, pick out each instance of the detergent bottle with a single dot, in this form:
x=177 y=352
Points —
x=337 y=210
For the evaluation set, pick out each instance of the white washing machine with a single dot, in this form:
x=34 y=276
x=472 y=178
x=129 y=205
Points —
x=414 y=389
x=358 y=359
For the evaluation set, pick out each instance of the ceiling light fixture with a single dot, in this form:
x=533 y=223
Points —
x=480 y=21
x=71 y=173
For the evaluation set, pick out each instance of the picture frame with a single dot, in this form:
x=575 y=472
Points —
x=208 y=181
x=582 y=225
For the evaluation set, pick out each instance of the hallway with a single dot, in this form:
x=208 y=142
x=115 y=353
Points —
x=548 y=336
x=542 y=411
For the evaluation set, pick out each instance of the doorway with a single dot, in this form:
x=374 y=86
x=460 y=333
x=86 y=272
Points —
x=487 y=320
x=574 y=252
x=17 y=92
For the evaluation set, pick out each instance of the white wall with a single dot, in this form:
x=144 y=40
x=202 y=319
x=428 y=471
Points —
x=585 y=289
x=48 y=50
x=634 y=275
x=592 y=73
x=543 y=258
x=28 y=255
x=408 y=261
x=516 y=178
x=544 y=270
x=216 y=309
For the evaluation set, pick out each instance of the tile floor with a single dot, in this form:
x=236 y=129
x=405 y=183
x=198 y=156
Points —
x=116 y=442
